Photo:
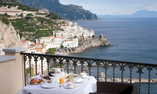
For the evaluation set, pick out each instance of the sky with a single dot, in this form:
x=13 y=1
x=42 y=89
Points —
x=114 y=7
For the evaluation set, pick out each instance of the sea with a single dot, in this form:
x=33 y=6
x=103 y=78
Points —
x=132 y=39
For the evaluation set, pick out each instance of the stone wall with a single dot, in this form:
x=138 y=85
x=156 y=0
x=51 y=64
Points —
x=101 y=41
x=11 y=71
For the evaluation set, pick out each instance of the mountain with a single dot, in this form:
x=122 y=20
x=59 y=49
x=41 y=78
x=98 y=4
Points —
x=14 y=3
x=145 y=13
x=71 y=12
x=137 y=14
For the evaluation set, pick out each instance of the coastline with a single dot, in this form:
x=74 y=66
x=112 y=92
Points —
x=96 y=42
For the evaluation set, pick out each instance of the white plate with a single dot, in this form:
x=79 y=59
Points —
x=66 y=86
x=48 y=86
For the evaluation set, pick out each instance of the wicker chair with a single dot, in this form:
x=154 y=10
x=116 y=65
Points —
x=116 y=88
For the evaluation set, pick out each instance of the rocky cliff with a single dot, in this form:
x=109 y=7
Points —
x=8 y=36
x=101 y=41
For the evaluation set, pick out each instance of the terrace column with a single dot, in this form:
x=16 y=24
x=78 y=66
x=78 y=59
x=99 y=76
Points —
x=11 y=70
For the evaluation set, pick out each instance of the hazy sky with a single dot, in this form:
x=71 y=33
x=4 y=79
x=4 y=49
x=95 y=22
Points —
x=114 y=7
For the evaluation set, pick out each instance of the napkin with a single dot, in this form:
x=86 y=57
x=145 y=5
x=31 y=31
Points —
x=36 y=77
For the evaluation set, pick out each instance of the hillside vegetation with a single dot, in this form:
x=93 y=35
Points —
x=34 y=27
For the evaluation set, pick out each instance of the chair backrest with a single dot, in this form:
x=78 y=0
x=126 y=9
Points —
x=116 y=88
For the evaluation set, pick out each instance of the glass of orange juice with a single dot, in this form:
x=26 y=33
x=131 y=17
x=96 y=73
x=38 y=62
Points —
x=61 y=81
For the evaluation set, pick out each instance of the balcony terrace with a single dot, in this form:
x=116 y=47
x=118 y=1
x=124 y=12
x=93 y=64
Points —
x=15 y=63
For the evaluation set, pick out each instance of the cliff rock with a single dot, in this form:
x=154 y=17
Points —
x=101 y=41
x=8 y=36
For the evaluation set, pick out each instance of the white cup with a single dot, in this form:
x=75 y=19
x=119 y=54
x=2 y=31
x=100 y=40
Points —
x=71 y=85
x=83 y=74
x=52 y=79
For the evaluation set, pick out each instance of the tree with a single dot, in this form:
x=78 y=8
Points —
x=53 y=16
x=93 y=36
x=5 y=20
x=21 y=15
x=30 y=15
x=51 y=51
x=62 y=46
x=75 y=36
x=6 y=15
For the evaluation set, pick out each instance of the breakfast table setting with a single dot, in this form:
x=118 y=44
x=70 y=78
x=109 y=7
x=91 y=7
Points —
x=59 y=82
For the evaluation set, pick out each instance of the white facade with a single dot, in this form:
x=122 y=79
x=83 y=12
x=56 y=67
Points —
x=28 y=12
x=58 y=41
x=70 y=43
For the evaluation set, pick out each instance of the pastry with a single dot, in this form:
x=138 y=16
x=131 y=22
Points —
x=33 y=81
x=40 y=81
x=69 y=80
x=49 y=81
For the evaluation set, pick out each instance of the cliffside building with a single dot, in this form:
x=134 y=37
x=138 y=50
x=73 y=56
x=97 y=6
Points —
x=13 y=11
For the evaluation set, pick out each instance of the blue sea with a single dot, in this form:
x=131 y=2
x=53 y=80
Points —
x=133 y=39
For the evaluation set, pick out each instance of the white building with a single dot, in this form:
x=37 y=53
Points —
x=44 y=11
x=70 y=43
x=69 y=23
x=58 y=41
x=28 y=12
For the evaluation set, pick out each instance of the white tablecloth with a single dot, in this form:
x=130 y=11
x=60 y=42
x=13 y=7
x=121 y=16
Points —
x=81 y=88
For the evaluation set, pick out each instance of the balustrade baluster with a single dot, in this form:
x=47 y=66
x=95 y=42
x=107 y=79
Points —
x=74 y=64
x=36 y=59
x=30 y=69
x=60 y=63
x=139 y=83
x=48 y=65
x=106 y=67
x=122 y=71
x=42 y=58
x=98 y=64
x=149 y=75
x=140 y=73
x=67 y=60
x=114 y=65
x=82 y=62
x=131 y=67
x=25 y=58
x=89 y=67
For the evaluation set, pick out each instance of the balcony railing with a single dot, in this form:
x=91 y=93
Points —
x=111 y=68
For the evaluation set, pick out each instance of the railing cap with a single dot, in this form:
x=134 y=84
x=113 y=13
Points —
x=5 y=58
x=15 y=49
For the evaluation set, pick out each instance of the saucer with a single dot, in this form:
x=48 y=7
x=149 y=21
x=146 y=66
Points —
x=66 y=86
x=48 y=86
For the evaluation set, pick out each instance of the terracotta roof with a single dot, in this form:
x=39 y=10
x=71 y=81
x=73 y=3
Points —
x=68 y=20
x=44 y=37
x=51 y=36
x=69 y=40
x=37 y=44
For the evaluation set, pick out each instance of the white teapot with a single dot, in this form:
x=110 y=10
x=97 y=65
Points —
x=56 y=70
